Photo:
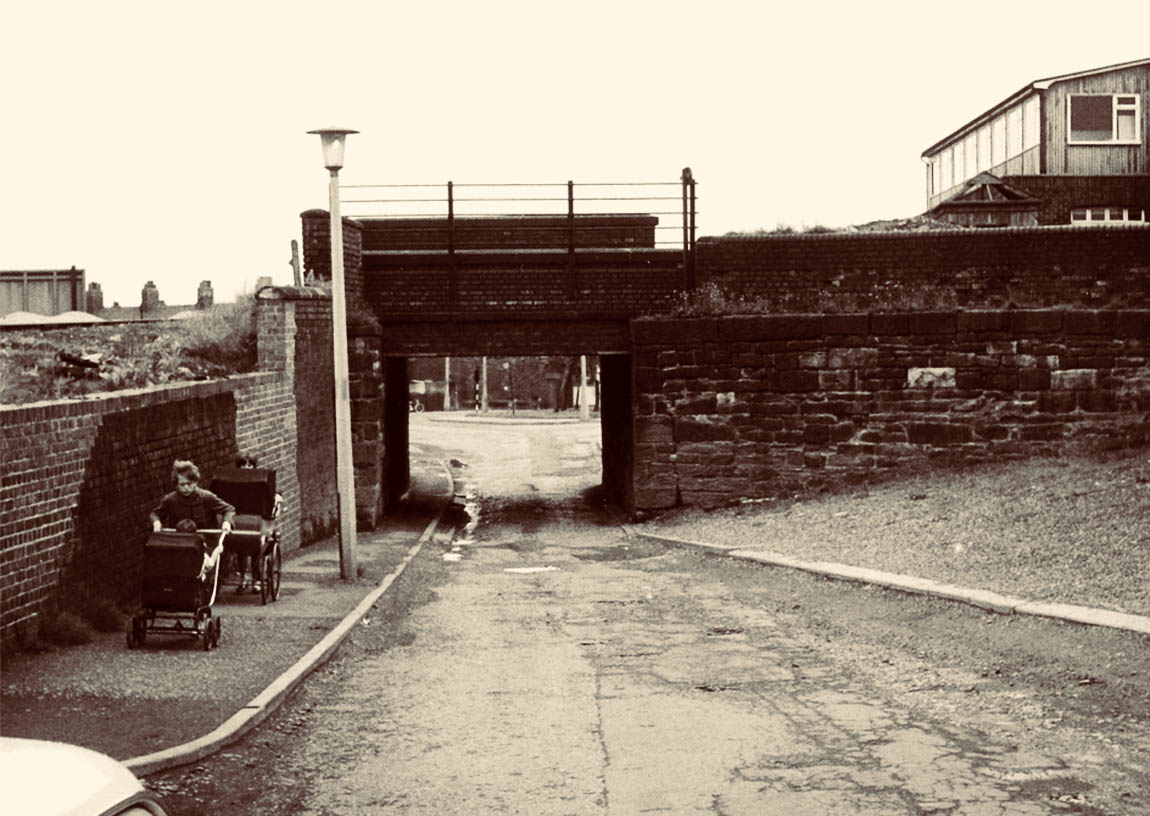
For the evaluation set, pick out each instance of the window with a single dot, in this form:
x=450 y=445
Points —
x=947 y=178
x=959 y=164
x=984 y=149
x=1094 y=216
x=1030 y=123
x=1103 y=118
x=1014 y=133
x=935 y=178
x=998 y=141
x=971 y=155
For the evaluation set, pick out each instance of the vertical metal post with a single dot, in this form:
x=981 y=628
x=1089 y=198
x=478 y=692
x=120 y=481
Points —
x=691 y=257
x=584 y=405
x=483 y=385
x=343 y=462
x=571 y=217
x=446 y=383
x=688 y=220
x=451 y=275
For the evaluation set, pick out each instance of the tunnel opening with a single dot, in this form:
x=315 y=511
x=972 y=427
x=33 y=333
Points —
x=521 y=429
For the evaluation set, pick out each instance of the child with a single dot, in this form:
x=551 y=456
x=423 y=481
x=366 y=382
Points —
x=253 y=560
x=190 y=501
x=210 y=558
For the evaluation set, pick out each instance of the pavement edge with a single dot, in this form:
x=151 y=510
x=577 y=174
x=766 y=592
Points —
x=270 y=699
x=984 y=599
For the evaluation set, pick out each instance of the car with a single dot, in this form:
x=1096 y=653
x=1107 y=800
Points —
x=58 y=779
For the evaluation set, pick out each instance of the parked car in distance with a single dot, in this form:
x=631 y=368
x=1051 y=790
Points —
x=57 y=779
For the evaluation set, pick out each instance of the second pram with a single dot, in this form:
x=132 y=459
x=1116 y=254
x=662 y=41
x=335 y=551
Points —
x=254 y=532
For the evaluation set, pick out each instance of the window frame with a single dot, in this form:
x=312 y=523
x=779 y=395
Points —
x=1087 y=219
x=1115 y=107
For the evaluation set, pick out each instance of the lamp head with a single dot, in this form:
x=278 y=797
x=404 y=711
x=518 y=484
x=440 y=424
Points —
x=333 y=140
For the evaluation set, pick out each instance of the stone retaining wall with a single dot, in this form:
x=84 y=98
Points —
x=738 y=407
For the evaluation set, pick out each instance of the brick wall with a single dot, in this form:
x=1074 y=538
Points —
x=295 y=336
x=1059 y=194
x=737 y=407
x=992 y=268
x=79 y=477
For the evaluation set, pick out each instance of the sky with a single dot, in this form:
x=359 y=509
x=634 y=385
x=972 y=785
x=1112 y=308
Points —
x=168 y=142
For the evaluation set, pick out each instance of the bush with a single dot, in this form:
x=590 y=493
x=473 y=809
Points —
x=63 y=628
x=224 y=336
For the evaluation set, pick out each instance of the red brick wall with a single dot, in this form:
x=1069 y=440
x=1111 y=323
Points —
x=992 y=268
x=1059 y=194
x=78 y=479
x=728 y=408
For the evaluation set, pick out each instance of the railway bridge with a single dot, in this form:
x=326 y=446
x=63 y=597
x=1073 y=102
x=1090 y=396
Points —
x=505 y=285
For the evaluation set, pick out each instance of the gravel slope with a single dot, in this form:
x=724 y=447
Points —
x=1070 y=530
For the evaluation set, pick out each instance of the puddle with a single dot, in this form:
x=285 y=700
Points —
x=525 y=570
x=450 y=556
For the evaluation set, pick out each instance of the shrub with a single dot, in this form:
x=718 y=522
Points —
x=224 y=336
x=62 y=627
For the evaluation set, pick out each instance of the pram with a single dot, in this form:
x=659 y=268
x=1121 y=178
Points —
x=252 y=491
x=174 y=589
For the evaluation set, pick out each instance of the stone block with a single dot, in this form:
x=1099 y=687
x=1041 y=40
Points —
x=840 y=380
x=856 y=324
x=1093 y=322
x=1074 y=379
x=673 y=332
x=1034 y=379
x=937 y=434
x=653 y=430
x=890 y=324
x=693 y=430
x=1036 y=321
x=852 y=357
x=982 y=322
x=797 y=381
x=933 y=323
x=1133 y=323
x=1042 y=432
x=930 y=378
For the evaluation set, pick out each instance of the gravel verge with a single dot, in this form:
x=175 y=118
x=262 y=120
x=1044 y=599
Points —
x=1072 y=530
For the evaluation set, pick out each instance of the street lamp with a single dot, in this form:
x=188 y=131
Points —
x=333 y=143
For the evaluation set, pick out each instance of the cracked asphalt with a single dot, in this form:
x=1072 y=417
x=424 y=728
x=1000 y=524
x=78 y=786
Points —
x=543 y=662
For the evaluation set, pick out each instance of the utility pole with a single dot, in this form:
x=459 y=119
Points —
x=584 y=406
x=446 y=383
x=483 y=384
x=295 y=261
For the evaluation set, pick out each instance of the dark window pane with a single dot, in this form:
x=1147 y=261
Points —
x=1098 y=214
x=1090 y=119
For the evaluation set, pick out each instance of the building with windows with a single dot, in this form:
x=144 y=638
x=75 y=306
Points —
x=1066 y=149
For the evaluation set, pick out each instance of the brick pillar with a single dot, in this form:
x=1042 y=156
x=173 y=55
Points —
x=205 y=297
x=366 y=384
x=150 y=298
x=93 y=298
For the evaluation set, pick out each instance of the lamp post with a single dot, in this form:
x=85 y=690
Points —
x=333 y=142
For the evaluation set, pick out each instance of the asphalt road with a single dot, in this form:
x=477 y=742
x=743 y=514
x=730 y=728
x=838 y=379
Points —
x=543 y=662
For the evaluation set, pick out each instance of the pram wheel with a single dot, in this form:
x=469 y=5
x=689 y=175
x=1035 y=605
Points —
x=272 y=567
x=211 y=633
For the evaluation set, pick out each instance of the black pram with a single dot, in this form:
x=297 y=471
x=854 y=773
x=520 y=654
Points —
x=176 y=593
x=252 y=491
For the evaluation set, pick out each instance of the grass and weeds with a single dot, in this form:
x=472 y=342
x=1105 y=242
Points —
x=71 y=362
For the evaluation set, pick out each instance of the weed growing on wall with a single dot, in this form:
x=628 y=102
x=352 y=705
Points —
x=47 y=364
x=712 y=299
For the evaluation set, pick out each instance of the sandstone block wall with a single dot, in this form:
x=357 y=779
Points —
x=735 y=407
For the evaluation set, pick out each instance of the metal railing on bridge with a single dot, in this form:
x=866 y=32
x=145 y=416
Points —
x=571 y=216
